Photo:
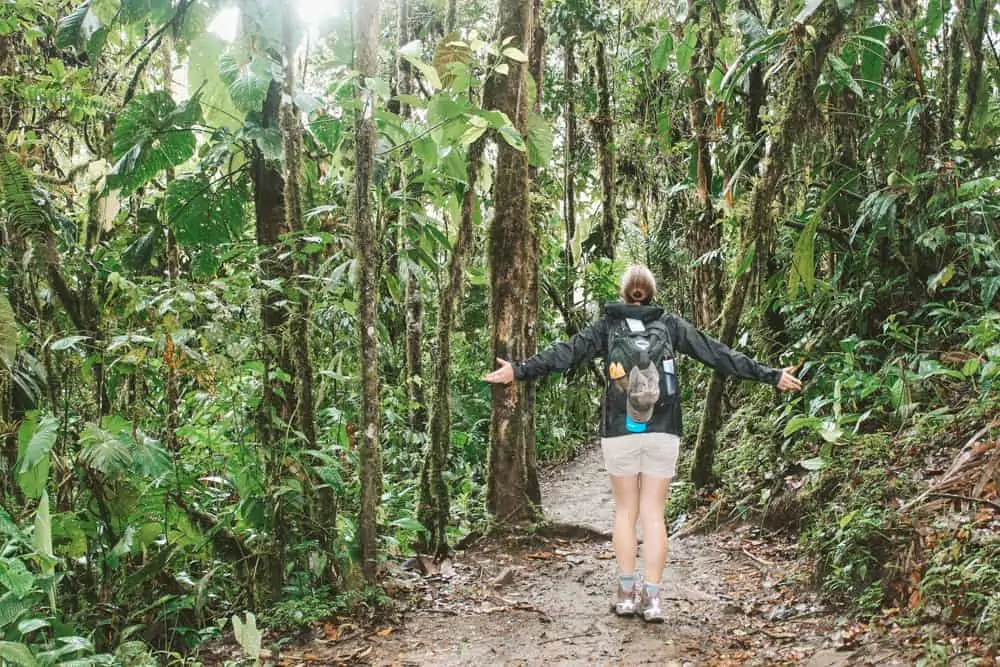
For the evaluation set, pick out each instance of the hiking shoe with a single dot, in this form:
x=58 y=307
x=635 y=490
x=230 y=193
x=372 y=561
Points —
x=624 y=604
x=650 y=607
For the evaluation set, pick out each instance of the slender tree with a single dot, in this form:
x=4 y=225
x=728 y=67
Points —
x=604 y=136
x=366 y=30
x=414 y=316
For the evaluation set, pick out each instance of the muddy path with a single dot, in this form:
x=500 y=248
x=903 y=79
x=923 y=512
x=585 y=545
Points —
x=732 y=598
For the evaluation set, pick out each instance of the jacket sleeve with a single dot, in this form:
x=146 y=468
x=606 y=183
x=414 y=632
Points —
x=695 y=343
x=579 y=349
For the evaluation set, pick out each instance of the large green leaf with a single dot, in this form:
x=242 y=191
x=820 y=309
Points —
x=935 y=16
x=749 y=26
x=157 y=11
x=8 y=334
x=247 y=635
x=153 y=134
x=662 y=52
x=204 y=75
x=200 y=214
x=248 y=80
x=872 y=42
x=685 y=50
x=43 y=547
x=43 y=531
x=16 y=577
x=803 y=269
x=17 y=654
x=539 y=138
x=36 y=441
x=12 y=608
x=69 y=30
x=104 y=452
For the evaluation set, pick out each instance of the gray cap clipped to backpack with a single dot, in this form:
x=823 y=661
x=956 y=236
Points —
x=643 y=390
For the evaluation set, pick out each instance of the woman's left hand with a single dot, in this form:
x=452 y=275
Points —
x=788 y=381
x=502 y=375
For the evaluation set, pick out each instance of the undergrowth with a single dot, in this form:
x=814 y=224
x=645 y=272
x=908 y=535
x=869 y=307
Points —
x=842 y=467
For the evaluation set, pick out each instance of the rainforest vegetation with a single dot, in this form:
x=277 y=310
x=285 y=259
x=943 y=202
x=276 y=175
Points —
x=256 y=256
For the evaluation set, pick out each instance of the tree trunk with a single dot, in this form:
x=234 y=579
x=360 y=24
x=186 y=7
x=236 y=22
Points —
x=604 y=135
x=413 y=298
x=976 y=31
x=536 y=65
x=451 y=17
x=435 y=507
x=508 y=494
x=704 y=235
x=952 y=68
x=569 y=170
x=277 y=406
x=366 y=249
x=809 y=57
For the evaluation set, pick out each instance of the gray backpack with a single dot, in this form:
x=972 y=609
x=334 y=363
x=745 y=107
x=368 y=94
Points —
x=637 y=358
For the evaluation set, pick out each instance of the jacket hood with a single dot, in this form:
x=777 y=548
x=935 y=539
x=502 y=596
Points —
x=644 y=313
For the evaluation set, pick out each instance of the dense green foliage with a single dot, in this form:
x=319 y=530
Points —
x=158 y=474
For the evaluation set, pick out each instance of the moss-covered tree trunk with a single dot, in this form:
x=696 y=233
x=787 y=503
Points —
x=508 y=496
x=952 y=69
x=435 y=507
x=604 y=136
x=796 y=115
x=704 y=235
x=976 y=31
x=277 y=405
x=321 y=501
x=366 y=31
x=532 y=250
x=414 y=302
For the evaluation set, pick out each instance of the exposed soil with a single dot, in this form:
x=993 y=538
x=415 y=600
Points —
x=732 y=598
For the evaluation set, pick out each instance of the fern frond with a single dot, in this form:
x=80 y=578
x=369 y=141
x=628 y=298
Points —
x=22 y=200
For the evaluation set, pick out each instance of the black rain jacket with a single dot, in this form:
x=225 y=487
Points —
x=684 y=338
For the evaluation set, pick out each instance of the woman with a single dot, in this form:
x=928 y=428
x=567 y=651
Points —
x=641 y=422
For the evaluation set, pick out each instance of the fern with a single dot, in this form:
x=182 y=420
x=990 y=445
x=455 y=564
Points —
x=20 y=198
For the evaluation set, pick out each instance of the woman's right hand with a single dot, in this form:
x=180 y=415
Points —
x=502 y=375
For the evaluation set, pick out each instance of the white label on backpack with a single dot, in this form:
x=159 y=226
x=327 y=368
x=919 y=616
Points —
x=635 y=325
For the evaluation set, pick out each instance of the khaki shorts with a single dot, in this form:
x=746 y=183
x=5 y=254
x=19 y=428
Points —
x=653 y=454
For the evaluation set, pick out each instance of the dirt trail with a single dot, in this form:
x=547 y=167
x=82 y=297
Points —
x=731 y=599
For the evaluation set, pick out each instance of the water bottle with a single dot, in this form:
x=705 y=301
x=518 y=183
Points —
x=670 y=376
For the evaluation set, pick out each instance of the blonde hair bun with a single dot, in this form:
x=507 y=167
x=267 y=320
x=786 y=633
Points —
x=637 y=285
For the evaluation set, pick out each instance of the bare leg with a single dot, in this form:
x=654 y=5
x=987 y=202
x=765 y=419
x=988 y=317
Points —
x=625 y=490
x=652 y=501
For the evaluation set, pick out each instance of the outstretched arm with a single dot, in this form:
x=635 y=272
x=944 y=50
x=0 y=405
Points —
x=579 y=349
x=697 y=344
